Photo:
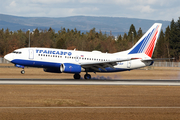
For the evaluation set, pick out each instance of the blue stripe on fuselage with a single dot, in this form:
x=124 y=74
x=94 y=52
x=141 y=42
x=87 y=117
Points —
x=39 y=64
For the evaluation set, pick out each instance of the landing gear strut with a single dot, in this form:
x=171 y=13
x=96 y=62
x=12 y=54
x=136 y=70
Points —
x=20 y=66
x=77 y=76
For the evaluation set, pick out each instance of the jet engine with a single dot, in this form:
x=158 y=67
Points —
x=70 y=68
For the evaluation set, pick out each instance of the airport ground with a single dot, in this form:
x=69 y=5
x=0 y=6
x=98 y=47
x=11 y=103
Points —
x=101 y=102
x=157 y=73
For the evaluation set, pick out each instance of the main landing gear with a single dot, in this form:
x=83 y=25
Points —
x=78 y=76
x=87 y=76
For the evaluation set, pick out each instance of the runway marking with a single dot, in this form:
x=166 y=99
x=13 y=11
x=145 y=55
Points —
x=163 y=83
x=89 y=107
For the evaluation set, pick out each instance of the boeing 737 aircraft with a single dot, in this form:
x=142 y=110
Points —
x=75 y=62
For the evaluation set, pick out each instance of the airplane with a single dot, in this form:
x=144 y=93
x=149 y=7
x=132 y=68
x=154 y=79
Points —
x=74 y=61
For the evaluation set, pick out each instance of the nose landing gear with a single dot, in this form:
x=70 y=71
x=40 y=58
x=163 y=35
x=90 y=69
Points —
x=20 y=66
x=22 y=71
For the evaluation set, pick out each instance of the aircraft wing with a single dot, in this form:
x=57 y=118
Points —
x=103 y=64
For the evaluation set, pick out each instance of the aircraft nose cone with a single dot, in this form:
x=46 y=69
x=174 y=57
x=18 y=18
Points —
x=8 y=57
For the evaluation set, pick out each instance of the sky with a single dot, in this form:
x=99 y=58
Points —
x=143 y=9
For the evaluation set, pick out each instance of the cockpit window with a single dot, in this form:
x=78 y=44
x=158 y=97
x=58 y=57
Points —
x=17 y=52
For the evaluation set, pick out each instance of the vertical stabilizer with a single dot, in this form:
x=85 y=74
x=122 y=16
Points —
x=148 y=41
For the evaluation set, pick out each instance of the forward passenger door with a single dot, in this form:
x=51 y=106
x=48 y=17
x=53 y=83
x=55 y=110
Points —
x=31 y=54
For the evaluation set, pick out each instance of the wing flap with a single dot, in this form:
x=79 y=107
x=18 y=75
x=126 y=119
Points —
x=102 y=65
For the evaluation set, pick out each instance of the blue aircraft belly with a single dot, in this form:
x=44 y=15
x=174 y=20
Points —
x=33 y=63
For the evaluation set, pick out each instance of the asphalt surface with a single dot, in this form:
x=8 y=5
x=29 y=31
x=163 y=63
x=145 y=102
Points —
x=89 y=82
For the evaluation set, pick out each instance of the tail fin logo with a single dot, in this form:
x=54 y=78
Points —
x=147 y=43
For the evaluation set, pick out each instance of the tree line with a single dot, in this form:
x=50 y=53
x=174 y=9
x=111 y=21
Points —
x=167 y=46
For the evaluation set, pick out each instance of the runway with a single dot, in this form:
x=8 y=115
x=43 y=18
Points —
x=89 y=82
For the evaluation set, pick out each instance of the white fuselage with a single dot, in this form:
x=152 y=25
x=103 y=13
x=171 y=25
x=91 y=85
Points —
x=47 y=57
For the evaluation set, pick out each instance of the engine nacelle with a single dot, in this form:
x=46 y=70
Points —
x=52 y=70
x=70 y=68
